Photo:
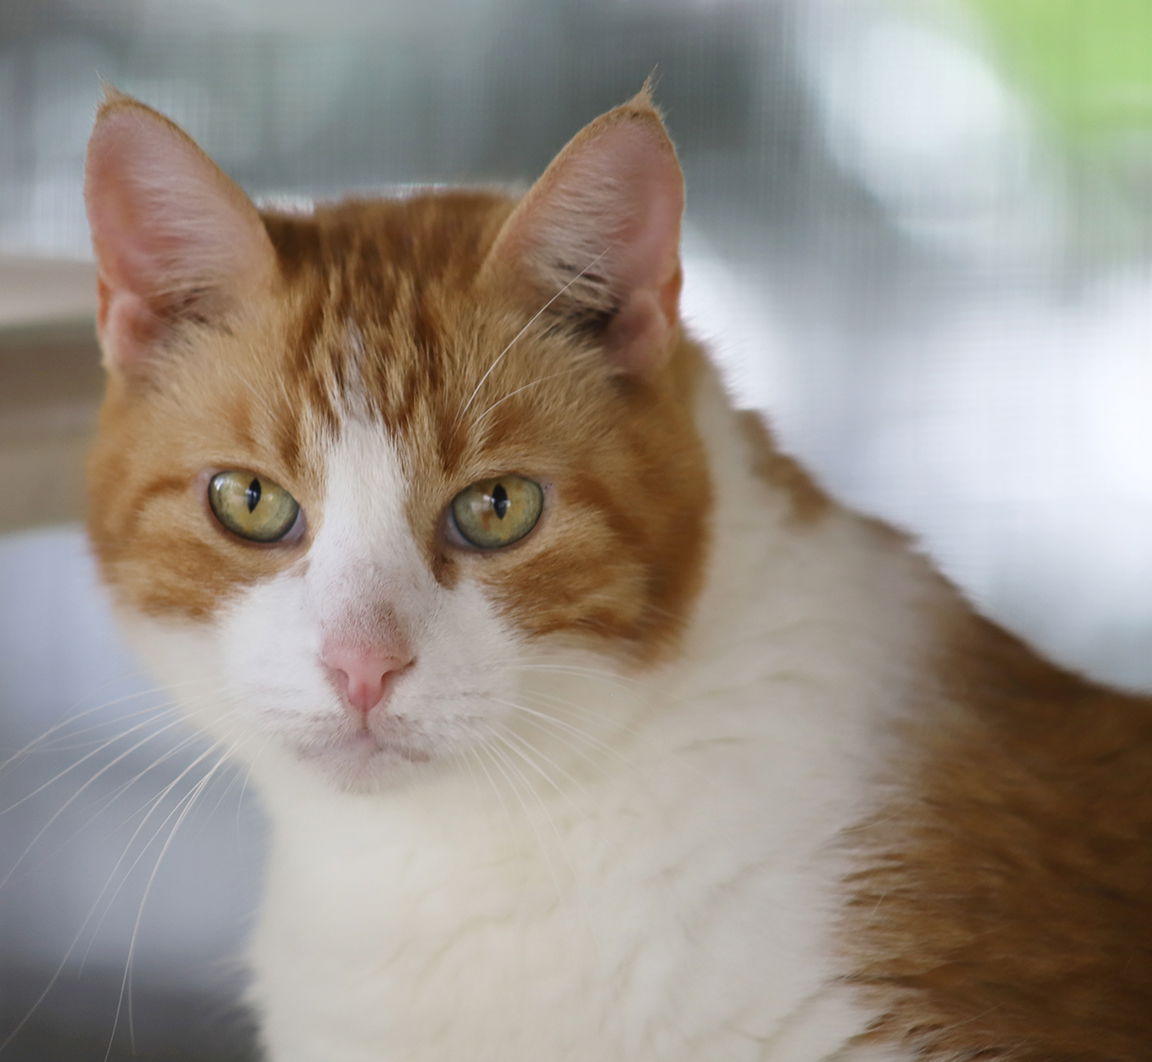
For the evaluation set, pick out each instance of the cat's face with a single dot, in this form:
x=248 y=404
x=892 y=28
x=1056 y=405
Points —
x=370 y=496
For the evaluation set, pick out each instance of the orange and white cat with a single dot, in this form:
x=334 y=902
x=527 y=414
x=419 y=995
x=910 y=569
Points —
x=589 y=728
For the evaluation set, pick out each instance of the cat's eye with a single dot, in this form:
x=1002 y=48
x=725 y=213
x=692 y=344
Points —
x=497 y=512
x=252 y=506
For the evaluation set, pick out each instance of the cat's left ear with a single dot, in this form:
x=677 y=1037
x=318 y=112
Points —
x=599 y=234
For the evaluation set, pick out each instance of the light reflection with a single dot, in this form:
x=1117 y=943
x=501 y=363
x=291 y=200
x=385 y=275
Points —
x=922 y=118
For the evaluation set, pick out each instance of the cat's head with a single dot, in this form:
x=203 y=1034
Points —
x=372 y=481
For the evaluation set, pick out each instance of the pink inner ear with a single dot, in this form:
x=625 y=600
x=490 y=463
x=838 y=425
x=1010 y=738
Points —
x=610 y=202
x=645 y=192
x=639 y=332
x=167 y=226
x=126 y=323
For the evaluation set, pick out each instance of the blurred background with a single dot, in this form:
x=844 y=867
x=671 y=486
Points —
x=920 y=236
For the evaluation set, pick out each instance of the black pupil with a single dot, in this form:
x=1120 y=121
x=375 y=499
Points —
x=252 y=494
x=500 y=500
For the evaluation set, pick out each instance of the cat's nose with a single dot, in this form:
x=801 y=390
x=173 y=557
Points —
x=363 y=675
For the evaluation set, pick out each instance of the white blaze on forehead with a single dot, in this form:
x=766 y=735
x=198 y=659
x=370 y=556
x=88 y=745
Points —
x=351 y=397
x=365 y=563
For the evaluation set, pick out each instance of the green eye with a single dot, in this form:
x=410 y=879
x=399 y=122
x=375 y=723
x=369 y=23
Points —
x=497 y=512
x=251 y=506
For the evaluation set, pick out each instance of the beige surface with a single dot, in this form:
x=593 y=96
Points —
x=50 y=381
x=36 y=290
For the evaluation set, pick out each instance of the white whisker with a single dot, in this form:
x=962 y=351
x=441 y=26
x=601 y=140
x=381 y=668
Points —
x=531 y=321
x=529 y=753
x=532 y=383
x=68 y=803
x=511 y=766
x=53 y=745
x=150 y=808
x=488 y=774
x=540 y=719
x=19 y=754
x=92 y=911
x=573 y=669
x=109 y=799
x=125 y=984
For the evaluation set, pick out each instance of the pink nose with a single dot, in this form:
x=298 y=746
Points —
x=363 y=675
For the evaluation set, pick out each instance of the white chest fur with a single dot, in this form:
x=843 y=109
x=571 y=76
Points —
x=678 y=915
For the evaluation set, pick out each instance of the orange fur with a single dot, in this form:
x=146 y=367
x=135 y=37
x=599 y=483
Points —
x=1006 y=909
x=783 y=474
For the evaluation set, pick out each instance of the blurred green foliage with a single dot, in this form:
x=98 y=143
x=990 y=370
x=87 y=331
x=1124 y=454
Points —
x=1087 y=63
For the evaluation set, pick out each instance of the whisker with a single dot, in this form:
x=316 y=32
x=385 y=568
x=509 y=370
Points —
x=531 y=321
x=533 y=383
x=35 y=742
x=539 y=719
x=123 y=788
x=151 y=806
x=53 y=745
x=244 y=786
x=583 y=711
x=523 y=749
x=63 y=962
x=160 y=714
x=513 y=769
x=125 y=984
x=68 y=803
x=223 y=795
x=636 y=735
x=574 y=669
x=529 y=752
x=488 y=774
x=109 y=799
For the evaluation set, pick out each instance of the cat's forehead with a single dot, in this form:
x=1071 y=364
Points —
x=354 y=244
x=384 y=320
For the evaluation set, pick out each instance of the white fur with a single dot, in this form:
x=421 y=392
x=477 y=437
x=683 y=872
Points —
x=661 y=887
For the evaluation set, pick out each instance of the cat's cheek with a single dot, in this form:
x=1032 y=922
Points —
x=183 y=657
x=248 y=674
x=270 y=644
x=470 y=654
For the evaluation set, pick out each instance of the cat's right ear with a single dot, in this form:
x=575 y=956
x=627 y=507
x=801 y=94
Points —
x=173 y=235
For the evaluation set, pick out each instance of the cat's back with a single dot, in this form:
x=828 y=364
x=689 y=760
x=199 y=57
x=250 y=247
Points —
x=1004 y=910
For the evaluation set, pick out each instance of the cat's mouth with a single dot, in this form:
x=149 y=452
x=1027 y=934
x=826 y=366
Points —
x=392 y=748
x=391 y=740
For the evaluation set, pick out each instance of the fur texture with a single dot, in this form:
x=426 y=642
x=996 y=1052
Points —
x=704 y=767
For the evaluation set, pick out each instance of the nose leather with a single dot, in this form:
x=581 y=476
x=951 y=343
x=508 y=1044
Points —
x=363 y=674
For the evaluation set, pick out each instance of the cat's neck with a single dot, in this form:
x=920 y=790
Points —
x=789 y=566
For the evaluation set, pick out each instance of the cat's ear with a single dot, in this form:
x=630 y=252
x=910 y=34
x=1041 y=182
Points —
x=173 y=235
x=599 y=233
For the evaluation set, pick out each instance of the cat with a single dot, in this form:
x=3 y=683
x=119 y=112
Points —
x=588 y=726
